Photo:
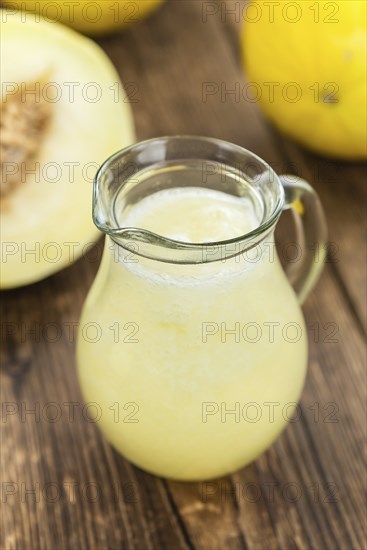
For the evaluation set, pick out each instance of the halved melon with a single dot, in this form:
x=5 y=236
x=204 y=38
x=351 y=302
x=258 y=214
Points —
x=62 y=114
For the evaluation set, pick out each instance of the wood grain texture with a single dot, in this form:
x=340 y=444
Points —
x=308 y=490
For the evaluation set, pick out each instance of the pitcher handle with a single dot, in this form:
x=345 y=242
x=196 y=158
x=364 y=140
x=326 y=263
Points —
x=311 y=231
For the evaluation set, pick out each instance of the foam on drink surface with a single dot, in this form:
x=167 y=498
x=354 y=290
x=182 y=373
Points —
x=193 y=215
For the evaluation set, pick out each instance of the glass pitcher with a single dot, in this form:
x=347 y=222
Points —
x=192 y=344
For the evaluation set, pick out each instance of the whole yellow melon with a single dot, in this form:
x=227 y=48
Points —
x=307 y=65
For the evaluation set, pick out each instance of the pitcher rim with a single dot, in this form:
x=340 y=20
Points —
x=143 y=235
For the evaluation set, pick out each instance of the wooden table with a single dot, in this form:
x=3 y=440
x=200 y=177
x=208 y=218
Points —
x=307 y=491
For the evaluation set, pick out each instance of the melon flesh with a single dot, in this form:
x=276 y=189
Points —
x=63 y=114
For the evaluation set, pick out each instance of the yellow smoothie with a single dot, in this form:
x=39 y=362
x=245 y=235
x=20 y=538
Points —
x=195 y=369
